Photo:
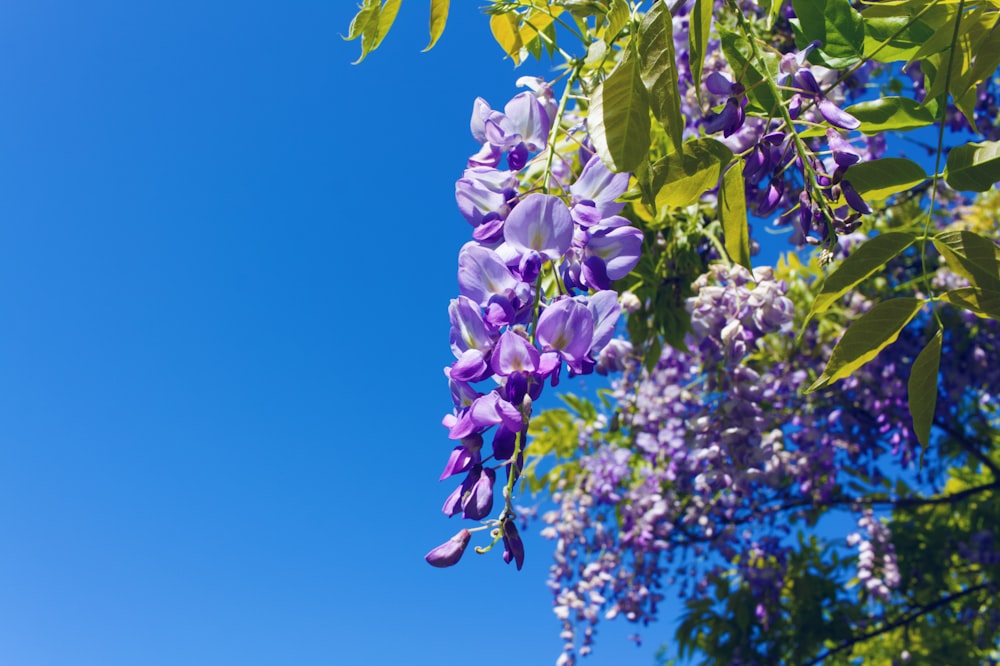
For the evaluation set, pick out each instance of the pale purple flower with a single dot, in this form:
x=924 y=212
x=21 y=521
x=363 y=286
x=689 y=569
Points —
x=541 y=222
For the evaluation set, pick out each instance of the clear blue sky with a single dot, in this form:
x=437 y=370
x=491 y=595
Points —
x=225 y=261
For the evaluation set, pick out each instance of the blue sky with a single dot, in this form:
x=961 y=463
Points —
x=226 y=257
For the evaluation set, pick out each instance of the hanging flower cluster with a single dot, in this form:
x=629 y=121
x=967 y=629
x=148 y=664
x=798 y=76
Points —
x=535 y=296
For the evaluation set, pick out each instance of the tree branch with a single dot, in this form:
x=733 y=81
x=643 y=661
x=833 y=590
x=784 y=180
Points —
x=906 y=619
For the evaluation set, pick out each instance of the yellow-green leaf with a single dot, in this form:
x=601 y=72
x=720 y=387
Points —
x=877 y=179
x=659 y=71
x=862 y=263
x=865 y=338
x=680 y=179
x=922 y=390
x=972 y=256
x=700 y=25
x=973 y=166
x=387 y=16
x=733 y=214
x=618 y=118
x=983 y=302
x=439 y=16
x=890 y=113
x=505 y=30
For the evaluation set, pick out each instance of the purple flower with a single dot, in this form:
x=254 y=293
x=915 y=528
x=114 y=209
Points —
x=618 y=249
x=482 y=274
x=513 y=353
x=541 y=222
x=450 y=552
x=567 y=326
x=598 y=186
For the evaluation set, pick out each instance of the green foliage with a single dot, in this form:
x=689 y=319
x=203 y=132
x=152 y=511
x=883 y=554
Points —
x=733 y=214
x=659 y=71
x=877 y=179
x=974 y=167
x=922 y=390
x=680 y=179
x=890 y=113
x=874 y=331
x=619 y=117
x=836 y=25
x=859 y=266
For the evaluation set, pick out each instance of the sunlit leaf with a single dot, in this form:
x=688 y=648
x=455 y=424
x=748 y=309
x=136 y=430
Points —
x=385 y=20
x=680 y=179
x=619 y=118
x=836 y=25
x=894 y=38
x=505 y=30
x=921 y=390
x=739 y=53
x=733 y=214
x=983 y=302
x=659 y=71
x=973 y=166
x=878 y=179
x=862 y=263
x=700 y=24
x=972 y=256
x=890 y=113
x=866 y=337
x=618 y=16
x=439 y=16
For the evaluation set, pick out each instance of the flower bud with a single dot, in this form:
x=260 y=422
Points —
x=450 y=552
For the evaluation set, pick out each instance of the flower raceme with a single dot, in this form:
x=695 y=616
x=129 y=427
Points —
x=534 y=294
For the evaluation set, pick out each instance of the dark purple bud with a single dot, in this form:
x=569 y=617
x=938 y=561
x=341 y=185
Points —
x=774 y=138
x=836 y=116
x=844 y=153
x=503 y=443
x=771 y=197
x=854 y=199
x=806 y=82
x=795 y=106
x=718 y=83
x=728 y=120
x=513 y=547
x=478 y=501
x=450 y=552
x=516 y=388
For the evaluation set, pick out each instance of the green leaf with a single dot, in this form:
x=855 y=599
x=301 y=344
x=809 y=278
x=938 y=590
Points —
x=679 y=179
x=439 y=16
x=386 y=18
x=733 y=214
x=921 y=390
x=890 y=113
x=365 y=26
x=619 y=118
x=859 y=266
x=973 y=166
x=618 y=16
x=659 y=71
x=739 y=53
x=905 y=37
x=972 y=256
x=878 y=179
x=983 y=302
x=700 y=25
x=360 y=21
x=838 y=27
x=865 y=338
